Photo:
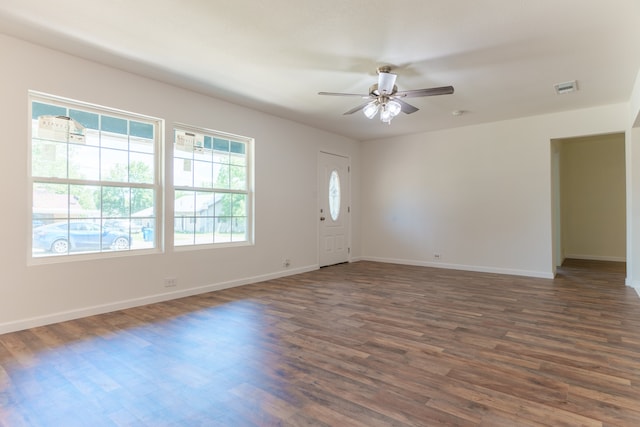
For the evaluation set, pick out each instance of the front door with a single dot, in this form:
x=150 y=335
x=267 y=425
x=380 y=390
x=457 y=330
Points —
x=334 y=210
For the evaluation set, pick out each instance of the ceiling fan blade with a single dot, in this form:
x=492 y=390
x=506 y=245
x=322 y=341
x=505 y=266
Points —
x=343 y=94
x=406 y=107
x=356 y=109
x=444 y=90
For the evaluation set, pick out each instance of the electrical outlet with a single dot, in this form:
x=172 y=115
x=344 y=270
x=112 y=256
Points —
x=436 y=257
x=170 y=282
x=286 y=263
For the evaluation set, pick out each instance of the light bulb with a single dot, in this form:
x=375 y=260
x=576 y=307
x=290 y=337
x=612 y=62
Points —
x=394 y=108
x=385 y=115
x=370 y=109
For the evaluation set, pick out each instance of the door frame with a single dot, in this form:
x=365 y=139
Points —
x=558 y=250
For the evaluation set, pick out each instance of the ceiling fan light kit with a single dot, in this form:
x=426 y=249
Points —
x=384 y=97
x=388 y=110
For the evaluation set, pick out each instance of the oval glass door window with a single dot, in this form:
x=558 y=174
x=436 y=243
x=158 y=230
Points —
x=334 y=195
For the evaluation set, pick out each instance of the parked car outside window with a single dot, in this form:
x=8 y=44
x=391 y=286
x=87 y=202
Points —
x=65 y=237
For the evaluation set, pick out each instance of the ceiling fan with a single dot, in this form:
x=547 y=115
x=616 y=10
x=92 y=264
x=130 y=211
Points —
x=384 y=97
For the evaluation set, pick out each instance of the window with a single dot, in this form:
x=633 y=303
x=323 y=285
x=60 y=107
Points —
x=94 y=178
x=334 y=195
x=211 y=177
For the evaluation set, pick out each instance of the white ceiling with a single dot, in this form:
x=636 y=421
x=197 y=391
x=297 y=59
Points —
x=502 y=56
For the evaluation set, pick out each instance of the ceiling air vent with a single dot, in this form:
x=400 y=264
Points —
x=566 y=87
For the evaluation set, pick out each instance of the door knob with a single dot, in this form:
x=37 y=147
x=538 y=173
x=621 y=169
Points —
x=322 y=218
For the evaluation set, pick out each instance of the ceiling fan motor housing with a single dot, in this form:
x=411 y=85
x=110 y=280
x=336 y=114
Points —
x=373 y=91
x=386 y=81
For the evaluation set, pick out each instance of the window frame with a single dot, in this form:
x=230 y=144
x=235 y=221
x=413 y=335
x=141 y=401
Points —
x=248 y=192
x=155 y=186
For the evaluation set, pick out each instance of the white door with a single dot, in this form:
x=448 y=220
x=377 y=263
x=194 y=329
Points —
x=334 y=210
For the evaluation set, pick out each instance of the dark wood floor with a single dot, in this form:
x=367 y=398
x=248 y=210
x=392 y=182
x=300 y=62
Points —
x=362 y=344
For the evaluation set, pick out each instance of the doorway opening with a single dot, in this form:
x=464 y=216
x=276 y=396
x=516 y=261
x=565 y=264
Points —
x=589 y=199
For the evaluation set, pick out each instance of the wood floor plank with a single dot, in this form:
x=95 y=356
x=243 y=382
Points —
x=360 y=344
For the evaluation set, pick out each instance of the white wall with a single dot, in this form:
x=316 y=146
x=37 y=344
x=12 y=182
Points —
x=594 y=198
x=633 y=207
x=285 y=175
x=633 y=187
x=480 y=196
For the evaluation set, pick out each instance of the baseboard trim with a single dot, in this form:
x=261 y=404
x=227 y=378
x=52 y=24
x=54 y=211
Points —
x=462 y=267
x=635 y=284
x=596 y=258
x=63 y=316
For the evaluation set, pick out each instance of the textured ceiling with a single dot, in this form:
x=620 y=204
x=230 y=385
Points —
x=502 y=56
